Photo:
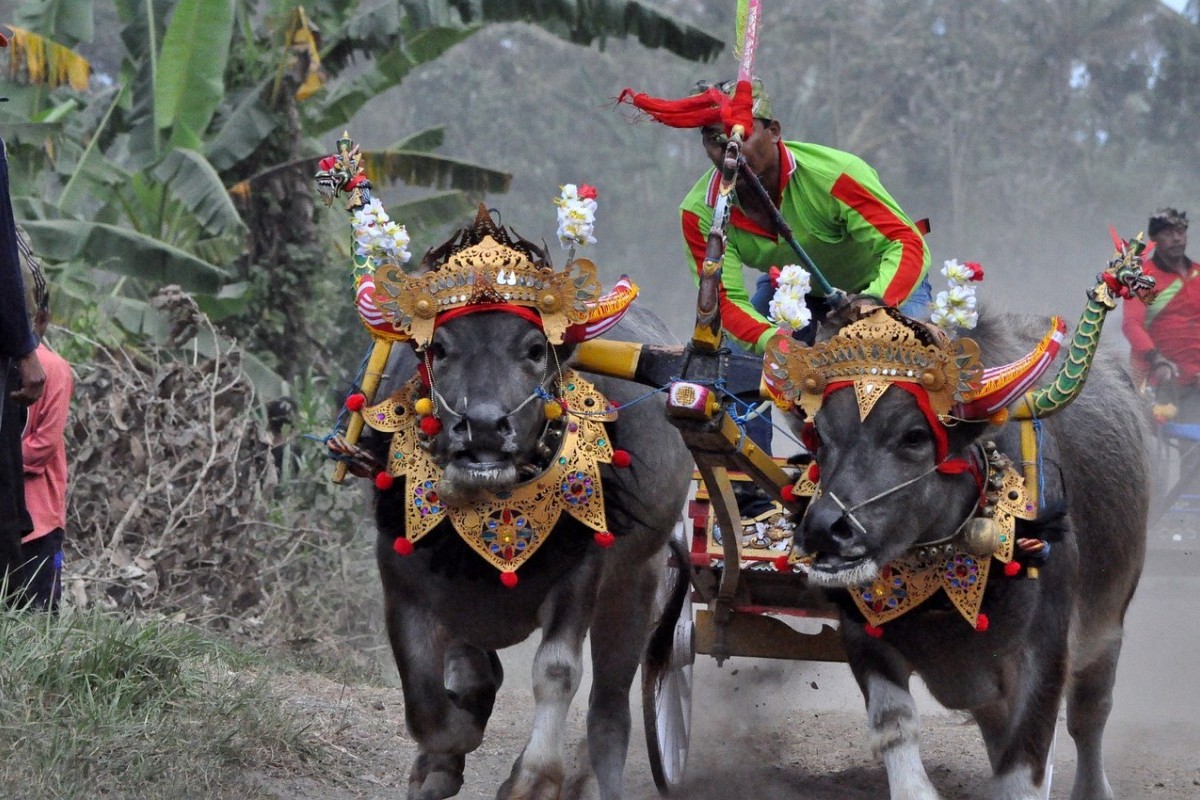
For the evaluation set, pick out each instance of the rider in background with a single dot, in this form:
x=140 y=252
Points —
x=1164 y=335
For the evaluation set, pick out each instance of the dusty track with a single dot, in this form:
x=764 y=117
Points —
x=794 y=731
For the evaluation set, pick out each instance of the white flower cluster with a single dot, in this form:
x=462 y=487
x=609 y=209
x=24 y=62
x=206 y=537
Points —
x=576 y=215
x=955 y=307
x=377 y=237
x=787 y=307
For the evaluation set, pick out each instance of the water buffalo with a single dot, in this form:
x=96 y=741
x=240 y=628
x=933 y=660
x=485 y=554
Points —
x=999 y=621
x=492 y=369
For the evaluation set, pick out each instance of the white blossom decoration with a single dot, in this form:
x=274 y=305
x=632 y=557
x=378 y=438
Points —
x=956 y=306
x=576 y=215
x=787 y=307
x=378 y=237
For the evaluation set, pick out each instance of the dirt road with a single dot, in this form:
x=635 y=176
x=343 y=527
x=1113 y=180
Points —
x=796 y=731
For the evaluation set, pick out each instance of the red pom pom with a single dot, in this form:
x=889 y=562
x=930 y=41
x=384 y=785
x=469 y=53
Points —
x=431 y=426
x=814 y=472
x=402 y=546
x=1012 y=569
x=781 y=564
x=613 y=405
x=873 y=631
x=509 y=579
x=981 y=623
x=587 y=191
x=787 y=494
x=604 y=538
x=383 y=481
x=356 y=401
x=621 y=458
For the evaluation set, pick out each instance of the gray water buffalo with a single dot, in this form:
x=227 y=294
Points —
x=499 y=450
x=1002 y=593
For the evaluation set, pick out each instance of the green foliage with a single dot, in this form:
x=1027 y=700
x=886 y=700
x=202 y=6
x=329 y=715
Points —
x=98 y=704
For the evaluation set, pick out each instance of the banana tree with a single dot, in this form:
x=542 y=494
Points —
x=196 y=166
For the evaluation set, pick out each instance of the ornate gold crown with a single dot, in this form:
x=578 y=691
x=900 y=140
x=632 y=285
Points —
x=881 y=348
x=485 y=265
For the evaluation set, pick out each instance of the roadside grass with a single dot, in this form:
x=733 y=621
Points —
x=94 y=704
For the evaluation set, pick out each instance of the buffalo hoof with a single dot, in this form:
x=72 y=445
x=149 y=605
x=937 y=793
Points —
x=435 y=776
x=523 y=784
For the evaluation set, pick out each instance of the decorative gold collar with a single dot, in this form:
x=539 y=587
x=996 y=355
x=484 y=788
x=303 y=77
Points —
x=505 y=529
x=960 y=567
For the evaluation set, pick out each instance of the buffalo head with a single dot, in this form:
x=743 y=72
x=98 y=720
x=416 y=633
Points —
x=491 y=374
x=894 y=409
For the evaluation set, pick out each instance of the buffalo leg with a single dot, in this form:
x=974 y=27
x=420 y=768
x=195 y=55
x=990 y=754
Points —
x=895 y=726
x=444 y=731
x=1089 y=701
x=619 y=632
x=557 y=669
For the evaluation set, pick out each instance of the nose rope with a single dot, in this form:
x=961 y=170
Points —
x=848 y=511
x=443 y=405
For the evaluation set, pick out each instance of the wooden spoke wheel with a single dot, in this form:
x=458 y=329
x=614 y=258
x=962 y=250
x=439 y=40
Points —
x=667 y=704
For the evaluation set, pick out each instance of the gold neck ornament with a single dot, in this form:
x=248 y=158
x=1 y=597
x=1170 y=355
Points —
x=505 y=529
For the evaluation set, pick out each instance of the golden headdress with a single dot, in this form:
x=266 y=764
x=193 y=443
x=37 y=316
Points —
x=484 y=267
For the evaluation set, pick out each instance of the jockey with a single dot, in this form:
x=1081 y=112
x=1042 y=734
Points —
x=833 y=201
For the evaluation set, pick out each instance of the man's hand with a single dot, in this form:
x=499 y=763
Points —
x=33 y=379
x=1162 y=369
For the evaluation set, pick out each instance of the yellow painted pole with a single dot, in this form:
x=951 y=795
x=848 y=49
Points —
x=380 y=351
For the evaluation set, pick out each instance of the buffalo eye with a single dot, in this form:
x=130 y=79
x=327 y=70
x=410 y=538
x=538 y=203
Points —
x=536 y=352
x=914 y=438
x=437 y=350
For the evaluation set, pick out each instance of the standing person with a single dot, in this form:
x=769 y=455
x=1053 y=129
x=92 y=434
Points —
x=1164 y=334
x=44 y=454
x=21 y=380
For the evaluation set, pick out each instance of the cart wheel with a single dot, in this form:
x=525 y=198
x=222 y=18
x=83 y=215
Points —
x=667 y=707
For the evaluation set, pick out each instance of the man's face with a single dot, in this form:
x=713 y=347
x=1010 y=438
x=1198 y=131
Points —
x=1171 y=242
x=760 y=149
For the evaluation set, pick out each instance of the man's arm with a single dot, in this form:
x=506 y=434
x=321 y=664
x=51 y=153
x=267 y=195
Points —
x=43 y=434
x=1133 y=325
x=738 y=317
x=872 y=215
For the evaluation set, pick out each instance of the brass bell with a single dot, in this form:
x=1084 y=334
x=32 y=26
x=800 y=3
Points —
x=981 y=537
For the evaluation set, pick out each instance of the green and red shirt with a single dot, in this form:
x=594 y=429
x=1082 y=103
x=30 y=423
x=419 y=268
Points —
x=841 y=215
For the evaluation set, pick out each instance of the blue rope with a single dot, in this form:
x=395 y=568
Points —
x=1041 y=471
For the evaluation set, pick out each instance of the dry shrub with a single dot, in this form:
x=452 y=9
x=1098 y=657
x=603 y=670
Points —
x=177 y=506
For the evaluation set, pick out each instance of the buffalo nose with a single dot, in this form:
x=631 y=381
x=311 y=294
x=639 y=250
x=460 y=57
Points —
x=482 y=421
x=826 y=528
